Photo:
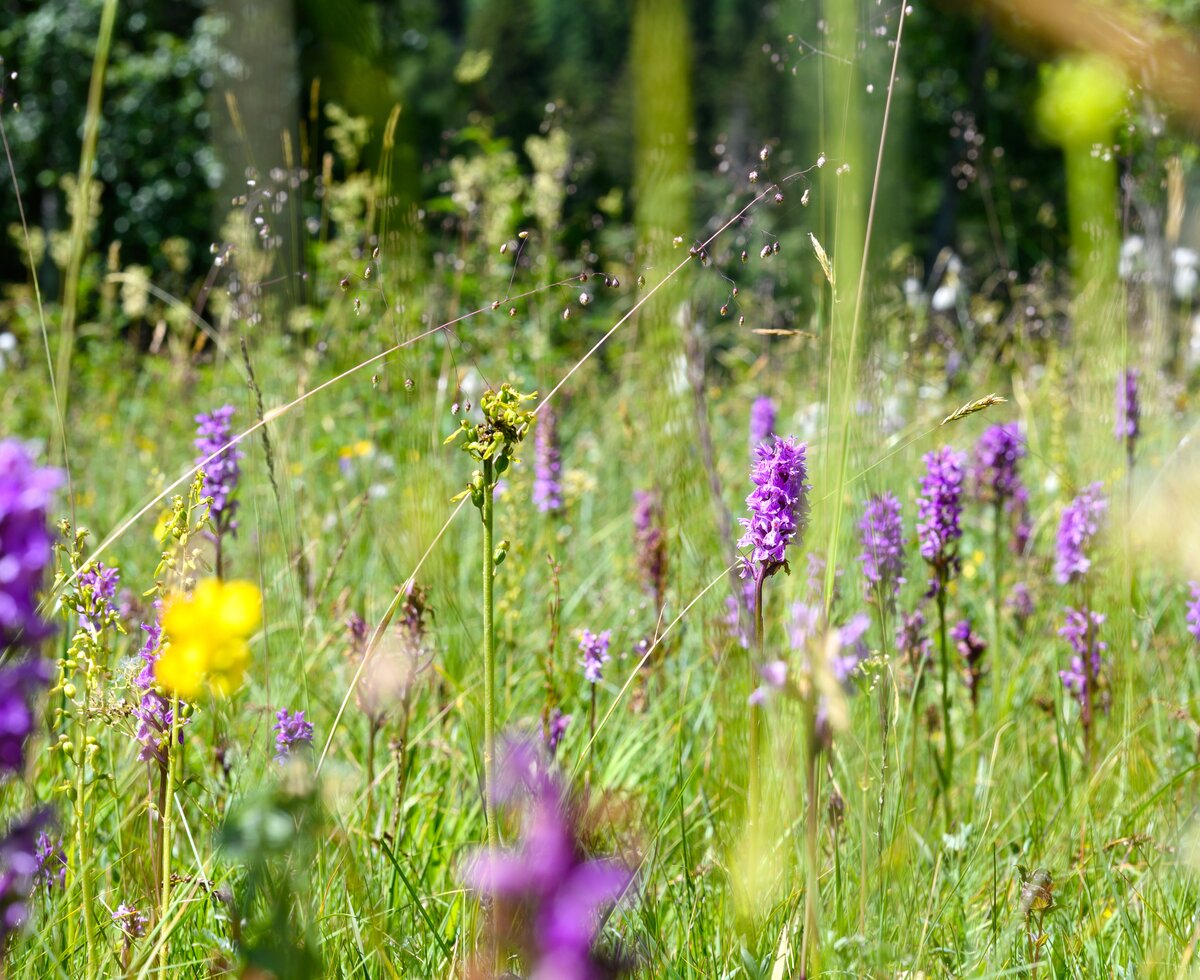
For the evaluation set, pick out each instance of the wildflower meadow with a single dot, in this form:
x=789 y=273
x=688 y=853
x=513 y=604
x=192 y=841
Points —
x=567 y=492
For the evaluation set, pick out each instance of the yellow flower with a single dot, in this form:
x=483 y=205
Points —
x=206 y=635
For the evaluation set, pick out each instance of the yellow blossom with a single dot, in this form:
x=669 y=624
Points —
x=206 y=635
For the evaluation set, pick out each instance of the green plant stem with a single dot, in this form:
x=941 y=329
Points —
x=489 y=657
x=997 y=574
x=947 y=772
x=83 y=841
x=753 y=720
x=165 y=816
x=811 y=946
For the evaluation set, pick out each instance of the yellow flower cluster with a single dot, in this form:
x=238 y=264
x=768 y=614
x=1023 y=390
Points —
x=207 y=634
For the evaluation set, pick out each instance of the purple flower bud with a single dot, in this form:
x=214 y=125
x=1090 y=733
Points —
x=594 y=648
x=26 y=493
x=1082 y=678
x=547 y=479
x=971 y=647
x=1079 y=524
x=1129 y=409
x=939 y=511
x=130 y=921
x=554 y=729
x=221 y=473
x=778 y=505
x=911 y=641
x=882 y=537
x=52 y=862
x=1193 y=611
x=762 y=420
x=1021 y=603
x=291 y=733
x=101 y=582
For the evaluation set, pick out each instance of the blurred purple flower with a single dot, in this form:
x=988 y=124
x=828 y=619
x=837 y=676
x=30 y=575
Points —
x=1079 y=523
x=130 y=921
x=882 y=535
x=971 y=647
x=554 y=728
x=52 y=862
x=291 y=733
x=1082 y=678
x=852 y=648
x=547 y=468
x=153 y=712
x=20 y=682
x=739 y=615
x=998 y=455
x=221 y=473
x=651 y=543
x=1193 y=612
x=594 y=647
x=911 y=640
x=549 y=892
x=1129 y=410
x=762 y=420
x=18 y=870
x=26 y=493
x=778 y=505
x=939 y=512
x=1021 y=603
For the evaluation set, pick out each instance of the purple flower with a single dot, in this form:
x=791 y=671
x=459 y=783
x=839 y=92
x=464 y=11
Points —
x=291 y=733
x=998 y=454
x=1079 y=523
x=99 y=583
x=548 y=891
x=221 y=473
x=130 y=921
x=594 y=647
x=547 y=479
x=52 y=862
x=762 y=420
x=911 y=641
x=1021 y=603
x=20 y=681
x=1082 y=678
x=153 y=712
x=18 y=870
x=554 y=728
x=971 y=647
x=26 y=493
x=1193 y=612
x=1129 y=410
x=651 y=544
x=778 y=505
x=806 y=621
x=882 y=537
x=852 y=648
x=939 y=511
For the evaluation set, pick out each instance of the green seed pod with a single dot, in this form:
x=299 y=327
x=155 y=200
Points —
x=185 y=710
x=69 y=690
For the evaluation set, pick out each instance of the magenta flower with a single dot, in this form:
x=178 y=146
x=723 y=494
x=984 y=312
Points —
x=99 y=584
x=20 y=682
x=1082 y=678
x=762 y=420
x=153 y=712
x=1079 y=524
x=292 y=732
x=52 y=862
x=971 y=647
x=939 y=512
x=998 y=455
x=222 y=472
x=26 y=494
x=1193 y=612
x=549 y=893
x=1129 y=410
x=778 y=506
x=554 y=728
x=594 y=647
x=547 y=469
x=881 y=533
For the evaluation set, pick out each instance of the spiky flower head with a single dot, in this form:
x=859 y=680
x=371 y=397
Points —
x=1129 y=410
x=554 y=727
x=52 y=861
x=778 y=505
x=292 y=732
x=222 y=471
x=971 y=647
x=1079 y=524
x=998 y=455
x=939 y=514
x=1082 y=678
x=881 y=533
x=548 y=892
x=762 y=420
x=1193 y=611
x=496 y=438
x=912 y=642
x=594 y=647
x=547 y=476
x=98 y=585
x=26 y=493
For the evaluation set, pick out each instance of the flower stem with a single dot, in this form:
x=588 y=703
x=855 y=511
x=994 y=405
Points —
x=489 y=658
x=82 y=841
x=812 y=950
x=997 y=572
x=753 y=790
x=948 y=758
x=165 y=816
